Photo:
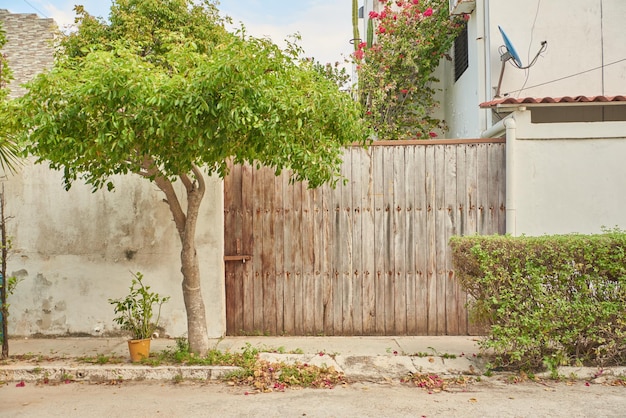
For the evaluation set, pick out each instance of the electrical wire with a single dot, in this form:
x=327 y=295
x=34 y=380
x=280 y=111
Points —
x=569 y=76
x=532 y=33
x=36 y=9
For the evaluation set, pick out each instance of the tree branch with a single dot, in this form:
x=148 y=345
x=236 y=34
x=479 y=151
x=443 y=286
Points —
x=149 y=170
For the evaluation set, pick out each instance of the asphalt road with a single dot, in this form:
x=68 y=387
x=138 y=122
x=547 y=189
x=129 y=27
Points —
x=489 y=398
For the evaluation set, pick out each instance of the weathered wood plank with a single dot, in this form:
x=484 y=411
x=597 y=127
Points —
x=328 y=272
x=451 y=226
x=367 y=250
x=410 y=242
x=345 y=263
x=431 y=238
x=278 y=251
x=232 y=228
x=380 y=267
x=267 y=259
x=297 y=244
x=389 y=241
x=399 y=210
x=337 y=232
x=482 y=191
x=422 y=242
x=308 y=261
x=247 y=197
x=320 y=259
x=290 y=235
x=356 y=191
x=462 y=228
x=258 y=238
x=441 y=216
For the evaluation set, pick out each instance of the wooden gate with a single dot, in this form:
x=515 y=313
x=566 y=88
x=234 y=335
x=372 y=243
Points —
x=368 y=258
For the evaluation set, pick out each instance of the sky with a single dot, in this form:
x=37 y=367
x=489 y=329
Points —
x=325 y=26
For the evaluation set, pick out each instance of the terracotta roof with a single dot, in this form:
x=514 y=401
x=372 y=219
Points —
x=512 y=101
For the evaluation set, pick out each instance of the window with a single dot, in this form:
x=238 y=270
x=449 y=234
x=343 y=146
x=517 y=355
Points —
x=461 y=58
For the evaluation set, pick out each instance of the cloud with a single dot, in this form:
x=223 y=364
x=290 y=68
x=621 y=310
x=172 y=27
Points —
x=325 y=27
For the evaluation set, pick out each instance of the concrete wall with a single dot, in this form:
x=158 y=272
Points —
x=565 y=177
x=74 y=250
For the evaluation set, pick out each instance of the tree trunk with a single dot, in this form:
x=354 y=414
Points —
x=197 y=332
x=194 y=303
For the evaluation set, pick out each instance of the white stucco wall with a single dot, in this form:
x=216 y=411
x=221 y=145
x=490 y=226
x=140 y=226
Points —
x=585 y=41
x=76 y=249
x=566 y=177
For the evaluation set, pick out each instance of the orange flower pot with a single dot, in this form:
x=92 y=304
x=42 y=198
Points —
x=139 y=349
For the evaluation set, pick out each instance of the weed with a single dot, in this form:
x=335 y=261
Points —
x=67 y=378
x=178 y=378
x=102 y=359
x=435 y=383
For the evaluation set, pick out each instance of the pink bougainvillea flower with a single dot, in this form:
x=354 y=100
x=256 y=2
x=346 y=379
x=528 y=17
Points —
x=432 y=134
x=404 y=91
x=362 y=45
x=428 y=12
x=416 y=2
x=382 y=30
x=358 y=54
x=373 y=15
x=20 y=385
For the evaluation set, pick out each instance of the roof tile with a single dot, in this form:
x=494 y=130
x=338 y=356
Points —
x=552 y=100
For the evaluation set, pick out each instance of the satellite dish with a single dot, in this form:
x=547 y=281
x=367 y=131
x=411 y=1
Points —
x=511 y=54
x=510 y=48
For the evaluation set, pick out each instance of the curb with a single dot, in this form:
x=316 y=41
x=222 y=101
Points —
x=358 y=368
x=111 y=373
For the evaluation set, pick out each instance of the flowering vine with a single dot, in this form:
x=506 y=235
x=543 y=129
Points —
x=396 y=71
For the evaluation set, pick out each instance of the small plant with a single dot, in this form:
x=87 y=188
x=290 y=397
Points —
x=67 y=378
x=135 y=312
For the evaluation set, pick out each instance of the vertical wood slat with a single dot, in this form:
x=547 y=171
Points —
x=233 y=217
x=268 y=274
x=290 y=235
x=389 y=240
x=279 y=254
x=399 y=210
x=367 y=258
x=451 y=224
x=356 y=272
x=379 y=240
x=431 y=239
x=411 y=247
x=368 y=265
x=247 y=200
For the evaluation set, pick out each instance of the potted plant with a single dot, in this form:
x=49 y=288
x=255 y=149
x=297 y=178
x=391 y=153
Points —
x=135 y=313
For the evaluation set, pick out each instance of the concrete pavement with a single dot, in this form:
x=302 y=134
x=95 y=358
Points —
x=359 y=358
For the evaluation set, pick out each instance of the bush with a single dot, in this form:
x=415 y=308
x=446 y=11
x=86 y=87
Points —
x=548 y=301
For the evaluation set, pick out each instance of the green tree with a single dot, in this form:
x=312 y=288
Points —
x=165 y=92
x=396 y=71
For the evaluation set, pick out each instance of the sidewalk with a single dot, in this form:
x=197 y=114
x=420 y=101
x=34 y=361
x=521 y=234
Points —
x=360 y=358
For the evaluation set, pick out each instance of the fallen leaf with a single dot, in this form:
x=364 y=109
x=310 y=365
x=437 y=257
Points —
x=473 y=400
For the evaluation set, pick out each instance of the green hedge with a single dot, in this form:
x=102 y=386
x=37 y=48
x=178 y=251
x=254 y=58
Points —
x=548 y=301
